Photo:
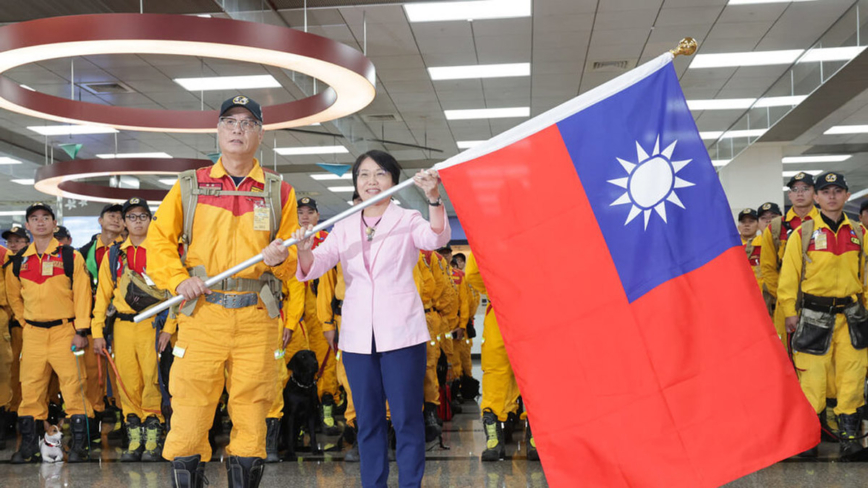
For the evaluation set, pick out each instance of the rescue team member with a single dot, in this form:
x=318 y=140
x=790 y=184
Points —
x=821 y=287
x=292 y=341
x=432 y=350
x=5 y=353
x=233 y=210
x=134 y=351
x=55 y=310
x=499 y=389
x=766 y=213
x=327 y=386
x=463 y=346
x=863 y=214
x=457 y=328
x=801 y=195
x=460 y=260
x=17 y=240
x=384 y=331
x=63 y=236
x=747 y=228
x=111 y=224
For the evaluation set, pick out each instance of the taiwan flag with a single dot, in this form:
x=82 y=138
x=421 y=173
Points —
x=643 y=352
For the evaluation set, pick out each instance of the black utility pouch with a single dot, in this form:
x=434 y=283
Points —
x=814 y=333
x=857 y=320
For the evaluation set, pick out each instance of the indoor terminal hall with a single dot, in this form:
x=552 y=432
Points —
x=407 y=243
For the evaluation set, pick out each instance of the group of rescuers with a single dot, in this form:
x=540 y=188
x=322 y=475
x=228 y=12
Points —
x=810 y=267
x=73 y=347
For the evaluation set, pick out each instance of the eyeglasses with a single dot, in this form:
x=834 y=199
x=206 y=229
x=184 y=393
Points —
x=800 y=190
x=245 y=124
x=142 y=217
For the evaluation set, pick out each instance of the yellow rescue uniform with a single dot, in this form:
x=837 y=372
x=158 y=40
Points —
x=459 y=346
x=290 y=318
x=5 y=341
x=499 y=390
x=833 y=270
x=133 y=344
x=41 y=295
x=242 y=342
x=328 y=383
x=428 y=291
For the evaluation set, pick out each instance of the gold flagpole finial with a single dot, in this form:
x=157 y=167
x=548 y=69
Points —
x=686 y=47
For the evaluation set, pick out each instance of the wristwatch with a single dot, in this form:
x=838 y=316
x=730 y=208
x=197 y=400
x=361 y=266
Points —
x=82 y=332
x=436 y=203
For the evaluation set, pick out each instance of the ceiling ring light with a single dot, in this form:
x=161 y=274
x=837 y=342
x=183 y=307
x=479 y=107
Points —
x=60 y=179
x=349 y=75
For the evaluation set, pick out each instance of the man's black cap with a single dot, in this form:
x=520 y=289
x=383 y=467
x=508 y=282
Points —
x=748 y=212
x=135 y=202
x=769 y=207
x=242 y=101
x=801 y=177
x=39 y=206
x=446 y=248
x=16 y=230
x=307 y=202
x=864 y=206
x=60 y=232
x=831 y=178
x=112 y=207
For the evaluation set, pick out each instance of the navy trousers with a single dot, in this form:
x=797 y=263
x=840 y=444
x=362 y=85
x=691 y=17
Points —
x=397 y=376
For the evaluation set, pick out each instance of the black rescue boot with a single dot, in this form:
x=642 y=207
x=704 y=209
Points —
x=2 y=428
x=455 y=389
x=494 y=448
x=432 y=427
x=153 y=439
x=244 y=472
x=509 y=427
x=351 y=433
x=532 y=454
x=188 y=472
x=272 y=439
x=851 y=450
x=94 y=435
x=134 y=450
x=329 y=426
x=28 y=451
x=78 y=448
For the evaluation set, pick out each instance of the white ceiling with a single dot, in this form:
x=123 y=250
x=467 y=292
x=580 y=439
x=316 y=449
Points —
x=561 y=40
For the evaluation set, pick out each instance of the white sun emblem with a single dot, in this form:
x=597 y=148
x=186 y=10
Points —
x=651 y=182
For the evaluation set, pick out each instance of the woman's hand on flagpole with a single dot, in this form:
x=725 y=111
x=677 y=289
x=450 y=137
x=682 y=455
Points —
x=429 y=182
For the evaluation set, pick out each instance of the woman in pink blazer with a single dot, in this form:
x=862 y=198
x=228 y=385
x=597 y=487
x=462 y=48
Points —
x=383 y=333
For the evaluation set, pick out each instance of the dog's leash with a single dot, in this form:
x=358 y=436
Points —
x=322 y=368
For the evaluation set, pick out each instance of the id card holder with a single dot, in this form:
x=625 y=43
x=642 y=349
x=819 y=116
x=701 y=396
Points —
x=47 y=268
x=820 y=243
x=261 y=216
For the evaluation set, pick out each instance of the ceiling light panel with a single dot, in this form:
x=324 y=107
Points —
x=342 y=189
x=228 y=83
x=757 y=2
x=832 y=158
x=721 y=104
x=479 y=71
x=67 y=130
x=473 y=10
x=759 y=58
x=812 y=172
x=487 y=113
x=847 y=129
x=468 y=144
x=305 y=151
x=6 y=160
x=330 y=176
x=23 y=181
x=831 y=54
x=135 y=155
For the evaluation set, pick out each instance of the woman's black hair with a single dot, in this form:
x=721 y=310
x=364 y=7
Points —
x=383 y=160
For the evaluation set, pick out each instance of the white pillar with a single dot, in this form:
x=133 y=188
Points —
x=754 y=177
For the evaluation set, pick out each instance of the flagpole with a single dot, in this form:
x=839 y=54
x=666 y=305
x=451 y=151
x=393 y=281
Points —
x=176 y=300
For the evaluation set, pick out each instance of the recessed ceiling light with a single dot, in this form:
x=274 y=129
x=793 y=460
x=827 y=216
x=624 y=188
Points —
x=204 y=16
x=479 y=71
x=474 y=10
x=847 y=129
x=812 y=172
x=786 y=188
x=720 y=162
x=858 y=194
x=487 y=113
x=780 y=101
x=467 y=144
x=27 y=88
x=135 y=155
x=67 y=130
x=834 y=158
x=721 y=104
x=5 y=160
x=831 y=54
x=303 y=151
x=228 y=82
x=755 y=58
x=13 y=213
x=731 y=134
x=168 y=181
x=342 y=189
x=23 y=181
x=330 y=176
x=755 y=2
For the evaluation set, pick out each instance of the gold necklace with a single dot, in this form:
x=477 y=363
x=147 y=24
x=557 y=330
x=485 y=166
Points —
x=369 y=230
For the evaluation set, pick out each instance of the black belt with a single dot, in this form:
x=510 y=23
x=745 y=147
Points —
x=826 y=304
x=49 y=324
x=126 y=317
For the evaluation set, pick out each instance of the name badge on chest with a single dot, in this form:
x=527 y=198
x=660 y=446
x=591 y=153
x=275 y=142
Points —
x=47 y=268
x=261 y=216
x=820 y=243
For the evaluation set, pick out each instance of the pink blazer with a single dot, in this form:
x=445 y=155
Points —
x=385 y=302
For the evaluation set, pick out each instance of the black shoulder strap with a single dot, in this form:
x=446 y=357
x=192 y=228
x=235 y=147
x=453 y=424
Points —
x=67 y=254
x=114 y=257
x=16 y=261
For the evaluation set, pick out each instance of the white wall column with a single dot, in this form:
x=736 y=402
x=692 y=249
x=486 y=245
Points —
x=754 y=177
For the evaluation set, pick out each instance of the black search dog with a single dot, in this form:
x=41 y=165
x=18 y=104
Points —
x=300 y=402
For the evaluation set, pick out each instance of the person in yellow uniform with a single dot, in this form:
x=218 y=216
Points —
x=463 y=346
x=457 y=327
x=432 y=319
x=863 y=214
x=766 y=213
x=747 y=228
x=133 y=344
x=49 y=293
x=821 y=293
x=291 y=313
x=774 y=240
x=327 y=385
x=499 y=390
x=234 y=210
x=5 y=353
x=17 y=240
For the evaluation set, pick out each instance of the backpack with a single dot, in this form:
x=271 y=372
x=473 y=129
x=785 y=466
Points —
x=66 y=253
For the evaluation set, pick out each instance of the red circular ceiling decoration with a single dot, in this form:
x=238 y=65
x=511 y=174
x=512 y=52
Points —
x=60 y=179
x=349 y=75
